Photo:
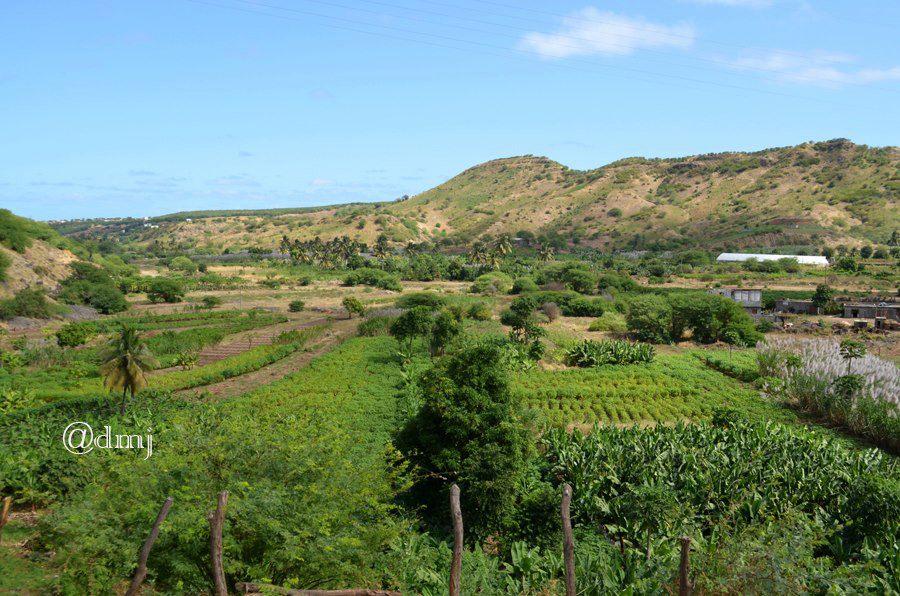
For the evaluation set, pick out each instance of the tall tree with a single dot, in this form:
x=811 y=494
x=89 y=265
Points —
x=125 y=362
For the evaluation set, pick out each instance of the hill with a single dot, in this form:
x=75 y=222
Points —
x=32 y=254
x=801 y=197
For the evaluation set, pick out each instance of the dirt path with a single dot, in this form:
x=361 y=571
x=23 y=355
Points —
x=337 y=332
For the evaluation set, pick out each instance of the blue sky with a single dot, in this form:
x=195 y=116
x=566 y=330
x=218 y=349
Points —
x=142 y=108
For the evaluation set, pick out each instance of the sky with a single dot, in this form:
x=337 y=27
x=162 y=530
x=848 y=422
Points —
x=141 y=108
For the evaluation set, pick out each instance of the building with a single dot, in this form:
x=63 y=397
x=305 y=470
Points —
x=796 y=307
x=872 y=310
x=749 y=298
x=740 y=257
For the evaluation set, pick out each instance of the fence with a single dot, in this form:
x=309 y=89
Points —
x=217 y=520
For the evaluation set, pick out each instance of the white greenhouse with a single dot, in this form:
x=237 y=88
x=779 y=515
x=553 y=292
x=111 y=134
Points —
x=737 y=257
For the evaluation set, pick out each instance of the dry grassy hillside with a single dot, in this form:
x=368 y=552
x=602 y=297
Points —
x=39 y=266
x=805 y=196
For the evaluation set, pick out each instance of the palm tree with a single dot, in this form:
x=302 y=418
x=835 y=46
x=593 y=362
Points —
x=504 y=245
x=125 y=360
x=545 y=252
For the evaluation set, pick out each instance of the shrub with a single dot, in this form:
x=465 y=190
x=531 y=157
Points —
x=611 y=322
x=5 y=262
x=415 y=322
x=492 y=283
x=649 y=319
x=469 y=431
x=444 y=329
x=296 y=306
x=353 y=306
x=583 y=306
x=26 y=303
x=589 y=353
x=368 y=276
x=183 y=264
x=210 y=302
x=430 y=299
x=75 y=334
x=522 y=285
x=479 y=311
x=165 y=289
x=374 y=326
x=551 y=310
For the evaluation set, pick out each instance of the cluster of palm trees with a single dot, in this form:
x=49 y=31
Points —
x=491 y=254
x=327 y=254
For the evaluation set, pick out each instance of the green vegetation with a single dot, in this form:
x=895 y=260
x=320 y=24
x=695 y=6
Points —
x=165 y=289
x=18 y=233
x=589 y=353
x=93 y=286
x=377 y=278
x=26 y=303
x=296 y=306
x=673 y=387
x=124 y=363
x=708 y=318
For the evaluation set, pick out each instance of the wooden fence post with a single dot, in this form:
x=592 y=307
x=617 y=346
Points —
x=456 y=564
x=216 y=521
x=141 y=572
x=684 y=570
x=4 y=514
x=568 y=540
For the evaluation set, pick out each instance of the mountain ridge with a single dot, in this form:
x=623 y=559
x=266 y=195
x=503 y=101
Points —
x=803 y=196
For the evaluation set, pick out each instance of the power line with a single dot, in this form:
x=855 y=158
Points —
x=796 y=77
x=506 y=51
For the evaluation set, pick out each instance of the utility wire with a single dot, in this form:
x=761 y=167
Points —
x=720 y=63
x=505 y=51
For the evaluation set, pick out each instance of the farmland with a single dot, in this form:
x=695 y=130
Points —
x=336 y=396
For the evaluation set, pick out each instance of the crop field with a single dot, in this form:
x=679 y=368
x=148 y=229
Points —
x=673 y=388
x=337 y=451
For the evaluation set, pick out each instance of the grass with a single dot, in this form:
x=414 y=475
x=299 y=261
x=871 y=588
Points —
x=19 y=574
x=675 y=387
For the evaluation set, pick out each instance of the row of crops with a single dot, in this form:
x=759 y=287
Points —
x=305 y=460
x=673 y=387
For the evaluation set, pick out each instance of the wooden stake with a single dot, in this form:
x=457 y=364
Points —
x=256 y=588
x=684 y=570
x=141 y=572
x=568 y=540
x=216 y=521
x=456 y=564
x=4 y=514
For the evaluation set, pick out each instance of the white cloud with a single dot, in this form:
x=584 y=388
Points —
x=321 y=182
x=824 y=69
x=592 y=32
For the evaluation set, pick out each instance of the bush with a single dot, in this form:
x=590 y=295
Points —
x=353 y=306
x=492 y=283
x=584 y=307
x=26 y=303
x=5 y=262
x=480 y=311
x=296 y=306
x=430 y=299
x=165 y=289
x=210 y=302
x=93 y=286
x=665 y=319
x=611 y=322
x=589 y=353
x=551 y=311
x=522 y=285
x=183 y=264
x=373 y=326
x=415 y=322
x=75 y=334
x=469 y=431
x=368 y=276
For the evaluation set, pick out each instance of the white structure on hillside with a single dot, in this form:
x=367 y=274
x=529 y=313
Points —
x=738 y=257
